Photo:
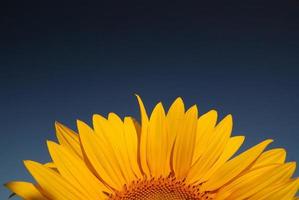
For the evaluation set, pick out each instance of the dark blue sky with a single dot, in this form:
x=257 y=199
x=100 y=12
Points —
x=67 y=61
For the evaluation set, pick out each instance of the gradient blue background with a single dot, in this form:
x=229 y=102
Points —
x=65 y=61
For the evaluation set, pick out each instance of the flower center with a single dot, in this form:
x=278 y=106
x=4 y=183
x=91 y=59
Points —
x=161 y=189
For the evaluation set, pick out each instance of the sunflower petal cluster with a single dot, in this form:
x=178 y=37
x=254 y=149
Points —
x=177 y=154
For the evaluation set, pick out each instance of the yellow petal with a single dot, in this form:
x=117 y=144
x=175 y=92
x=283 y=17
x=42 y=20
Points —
x=25 y=190
x=273 y=156
x=285 y=191
x=112 y=130
x=213 y=150
x=68 y=138
x=232 y=168
x=230 y=149
x=50 y=165
x=256 y=180
x=75 y=171
x=184 y=144
x=137 y=126
x=174 y=118
x=131 y=143
x=117 y=126
x=158 y=153
x=52 y=184
x=101 y=157
x=143 y=137
x=205 y=125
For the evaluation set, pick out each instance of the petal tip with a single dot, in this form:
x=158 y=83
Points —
x=179 y=100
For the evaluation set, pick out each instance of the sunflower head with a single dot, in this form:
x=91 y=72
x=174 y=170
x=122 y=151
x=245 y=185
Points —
x=173 y=155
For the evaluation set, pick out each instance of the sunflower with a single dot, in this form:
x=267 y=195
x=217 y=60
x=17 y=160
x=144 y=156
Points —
x=176 y=155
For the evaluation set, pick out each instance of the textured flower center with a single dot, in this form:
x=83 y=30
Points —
x=161 y=189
